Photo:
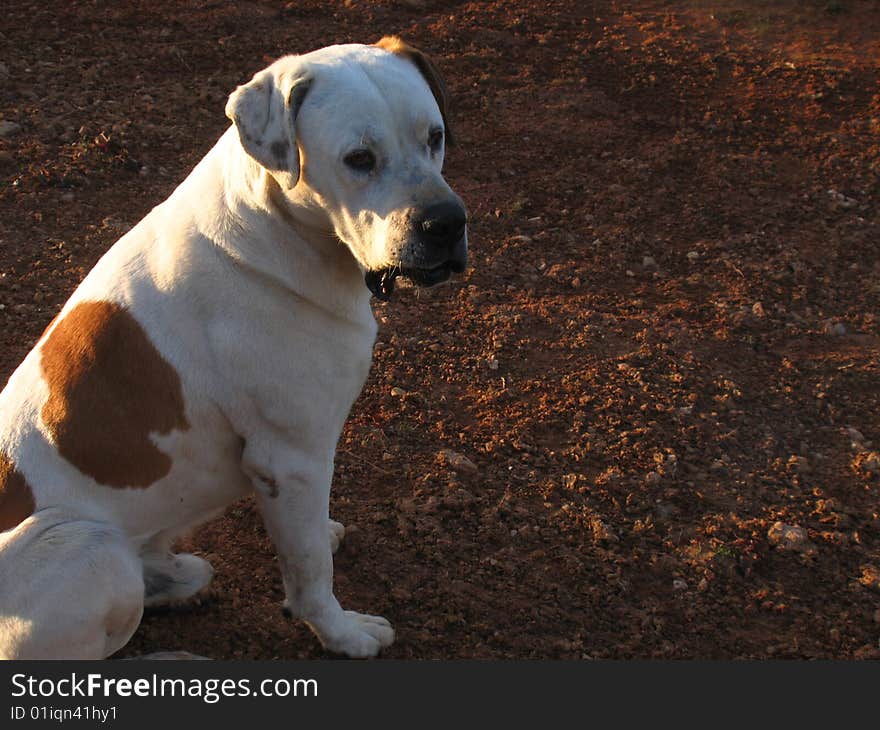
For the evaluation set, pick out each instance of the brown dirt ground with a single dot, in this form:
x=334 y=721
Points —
x=638 y=424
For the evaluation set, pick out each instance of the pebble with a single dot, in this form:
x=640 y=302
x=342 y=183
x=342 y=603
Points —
x=398 y=392
x=790 y=537
x=855 y=435
x=801 y=464
x=844 y=201
x=493 y=364
x=664 y=511
x=649 y=263
x=7 y=129
x=679 y=585
x=693 y=256
x=603 y=533
x=457 y=462
x=870 y=577
x=838 y=329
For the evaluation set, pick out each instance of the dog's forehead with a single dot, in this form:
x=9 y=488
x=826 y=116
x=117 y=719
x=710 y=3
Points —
x=355 y=83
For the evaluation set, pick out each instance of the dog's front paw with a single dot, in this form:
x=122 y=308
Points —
x=359 y=635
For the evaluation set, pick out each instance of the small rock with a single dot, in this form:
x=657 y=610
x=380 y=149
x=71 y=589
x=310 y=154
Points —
x=870 y=577
x=569 y=481
x=679 y=585
x=398 y=392
x=800 y=464
x=493 y=364
x=872 y=462
x=693 y=256
x=758 y=310
x=7 y=129
x=844 y=201
x=649 y=263
x=855 y=435
x=790 y=537
x=603 y=533
x=457 y=462
x=837 y=329
x=664 y=511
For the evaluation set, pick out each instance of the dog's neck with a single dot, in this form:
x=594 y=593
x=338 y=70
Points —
x=264 y=231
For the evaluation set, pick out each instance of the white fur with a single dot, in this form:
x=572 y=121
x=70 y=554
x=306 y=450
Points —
x=249 y=282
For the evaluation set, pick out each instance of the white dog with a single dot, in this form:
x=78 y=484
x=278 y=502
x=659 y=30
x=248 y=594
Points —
x=215 y=351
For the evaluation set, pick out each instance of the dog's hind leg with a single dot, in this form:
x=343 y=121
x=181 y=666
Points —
x=337 y=533
x=71 y=588
x=170 y=578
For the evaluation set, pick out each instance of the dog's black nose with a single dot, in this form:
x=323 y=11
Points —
x=442 y=224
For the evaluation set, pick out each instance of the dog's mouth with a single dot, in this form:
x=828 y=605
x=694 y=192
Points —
x=381 y=282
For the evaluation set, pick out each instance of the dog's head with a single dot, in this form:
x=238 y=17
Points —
x=355 y=136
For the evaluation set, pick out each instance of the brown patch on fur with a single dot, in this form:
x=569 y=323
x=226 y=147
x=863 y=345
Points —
x=394 y=44
x=109 y=390
x=49 y=326
x=16 y=497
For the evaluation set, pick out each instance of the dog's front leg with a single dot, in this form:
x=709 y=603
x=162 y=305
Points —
x=294 y=502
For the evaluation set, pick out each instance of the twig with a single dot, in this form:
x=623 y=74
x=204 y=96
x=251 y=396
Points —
x=368 y=463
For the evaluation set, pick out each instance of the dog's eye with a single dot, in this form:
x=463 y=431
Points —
x=435 y=139
x=361 y=160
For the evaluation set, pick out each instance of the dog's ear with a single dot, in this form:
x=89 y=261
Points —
x=426 y=67
x=264 y=112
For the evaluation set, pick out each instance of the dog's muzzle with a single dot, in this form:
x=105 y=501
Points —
x=441 y=232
